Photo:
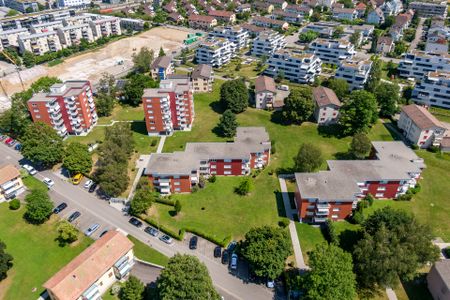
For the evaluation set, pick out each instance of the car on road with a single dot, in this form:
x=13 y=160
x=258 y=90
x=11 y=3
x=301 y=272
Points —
x=60 y=208
x=74 y=216
x=29 y=169
x=88 y=184
x=48 y=182
x=8 y=140
x=135 y=222
x=234 y=261
x=231 y=246
x=18 y=147
x=152 y=231
x=103 y=233
x=218 y=251
x=193 y=243
x=92 y=187
x=166 y=239
x=225 y=257
x=92 y=229
x=77 y=178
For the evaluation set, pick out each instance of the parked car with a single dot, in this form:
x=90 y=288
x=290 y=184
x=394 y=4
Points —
x=8 y=140
x=193 y=243
x=103 y=233
x=29 y=169
x=48 y=182
x=3 y=137
x=60 y=208
x=77 y=178
x=166 y=239
x=152 y=231
x=218 y=251
x=270 y=284
x=88 y=183
x=231 y=246
x=92 y=229
x=18 y=147
x=74 y=216
x=11 y=143
x=135 y=222
x=234 y=261
x=225 y=257
x=92 y=187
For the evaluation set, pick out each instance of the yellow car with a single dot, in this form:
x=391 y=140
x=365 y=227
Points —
x=77 y=178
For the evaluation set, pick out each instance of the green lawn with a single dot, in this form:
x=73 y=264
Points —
x=124 y=113
x=440 y=113
x=37 y=256
x=144 y=252
x=247 y=70
x=33 y=183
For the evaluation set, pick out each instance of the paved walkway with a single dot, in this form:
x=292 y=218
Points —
x=418 y=36
x=391 y=294
x=162 y=140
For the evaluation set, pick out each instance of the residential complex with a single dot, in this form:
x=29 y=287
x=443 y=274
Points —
x=169 y=107
x=332 y=51
x=355 y=72
x=420 y=127
x=270 y=23
x=11 y=184
x=202 y=22
x=22 y=5
x=235 y=34
x=417 y=64
x=202 y=79
x=93 y=271
x=223 y=15
x=72 y=35
x=341 y=13
x=385 y=45
x=161 y=67
x=296 y=67
x=434 y=90
x=430 y=9
x=40 y=43
x=69 y=108
x=105 y=27
x=326 y=106
x=73 y=3
x=215 y=52
x=178 y=172
x=10 y=37
x=333 y=194
x=324 y=29
x=267 y=43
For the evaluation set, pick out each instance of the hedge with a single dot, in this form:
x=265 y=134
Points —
x=165 y=201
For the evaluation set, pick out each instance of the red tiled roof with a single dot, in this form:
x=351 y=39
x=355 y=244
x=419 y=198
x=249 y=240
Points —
x=325 y=96
x=420 y=116
x=264 y=83
x=8 y=173
x=220 y=13
x=201 y=18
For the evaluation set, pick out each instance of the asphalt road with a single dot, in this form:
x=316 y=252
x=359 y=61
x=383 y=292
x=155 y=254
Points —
x=94 y=210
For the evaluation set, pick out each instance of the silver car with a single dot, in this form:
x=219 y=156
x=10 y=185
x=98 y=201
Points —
x=91 y=229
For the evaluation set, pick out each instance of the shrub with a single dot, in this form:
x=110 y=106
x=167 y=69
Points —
x=330 y=232
x=209 y=237
x=195 y=189
x=358 y=217
x=177 y=206
x=434 y=149
x=369 y=198
x=154 y=142
x=284 y=222
x=14 y=204
x=165 y=201
x=245 y=186
x=212 y=179
x=414 y=147
x=404 y=197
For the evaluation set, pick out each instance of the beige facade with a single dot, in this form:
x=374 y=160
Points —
x=72 y=35
x=202 y=79
x=11 y=184
x=11 y=37
x=106 y=27
x=40 y=43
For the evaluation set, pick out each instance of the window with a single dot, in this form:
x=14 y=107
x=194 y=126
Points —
x=311 y=206
x=336 y=209
x=227 y=172
x=379 y=195
x=176 y=177
x=227 y=160
x=150 y=111
x=227 y=166
x=381 y=188
x=213 y=166
x=177 y=189
x=176 y=183
x=335 y=216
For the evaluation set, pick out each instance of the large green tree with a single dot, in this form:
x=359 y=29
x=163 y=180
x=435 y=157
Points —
x=185 y=277
x=388 y=97
x=134 y=88
x=228 y=124
x=77 y=158
x=308 y=159
x=298 y=106
x=331 y=275
x=105 y=100
x=360 y=145
x=374 y=75
x=308 y=36
x=339 y=86
x=266 y=249
x=67 y=233
x=42 y=144
x=141 y=202
x=29 y=59
x=234 y=95
x=359 y=112
x=133 y=289
x=143 y=59
x=6 y=261
x=39 y=207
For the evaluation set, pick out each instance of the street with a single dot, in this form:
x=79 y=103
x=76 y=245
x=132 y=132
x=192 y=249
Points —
x=94 y=210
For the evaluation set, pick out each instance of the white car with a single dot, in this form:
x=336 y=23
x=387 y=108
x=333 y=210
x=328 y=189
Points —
x=234 y=261
x=88 y=184
x=48 y=182
x=30 y=169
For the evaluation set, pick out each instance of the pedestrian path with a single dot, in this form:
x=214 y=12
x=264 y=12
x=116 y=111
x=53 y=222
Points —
x=162 y=140
x=391 y=294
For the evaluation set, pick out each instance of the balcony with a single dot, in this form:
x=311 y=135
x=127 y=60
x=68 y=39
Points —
x=319 y=220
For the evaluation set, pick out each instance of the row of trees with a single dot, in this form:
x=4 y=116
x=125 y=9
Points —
x=6 y=261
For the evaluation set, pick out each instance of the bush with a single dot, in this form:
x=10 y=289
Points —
x=177 y=206
x=14 y=204
x=414 y=147
x=447 y=252
x=369 y=198
x=433 y=149
x=165 y=201
x=404 y=197
x=212 y=179
x=330 y=232
x=195 y=189
x=358 y=217
x=284 y=222
x=153 y=143
x=209 y=237
x=245 y=186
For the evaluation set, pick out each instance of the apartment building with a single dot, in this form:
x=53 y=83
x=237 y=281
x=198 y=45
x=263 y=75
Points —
x=40 y=43
x=23 y=6
x=254 y=30
x=326 y=105
x=355 y=72
x=161 y=67
x=104 y=27
x=215 y=52
x=44 y=27
x=341 y=13
x=420 y=127
x=267 y=43
x=76 y=20
x=270 y=23
x=223 y=15
x=292 y=18
x=26 y=21
x=10 y=37
x=11 y=184
x=202 y=78
x=385 y=45
x=430 y=9
x=280 y=4
x=417 y=64
x=324 y=29
x=438 y=280
x=333 y=194
x=437 y=42
x=69 y=107
x=235 y=34
x=73 y=3
x=263 y=6
x=300 y=10
x=202 y=22
x=332 y=51
x=169 y=107
x=265 y=92
x=294 y=66
x=434 y=90
x=179 y=171
x=95 y=270
x=72 y=35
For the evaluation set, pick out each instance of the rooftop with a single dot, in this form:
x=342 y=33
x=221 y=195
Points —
x=264 y=83
x=202 y=71
x=8 y=173
x=162 y=62
x=325 y=96
x=421 y=117
x=443 y=269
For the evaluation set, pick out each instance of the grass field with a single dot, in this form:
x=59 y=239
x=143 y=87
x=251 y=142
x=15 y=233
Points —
x=37 y=255
x=144 y=252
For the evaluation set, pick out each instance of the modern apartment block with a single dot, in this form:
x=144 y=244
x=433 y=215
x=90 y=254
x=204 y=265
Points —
x=40 y=43
x=296 y=67
x=333 y=194
x=430 y=9
x=215 y=52
x=178 y=172
x=28 y=20
x=169 y=107
x=324 y=29
x=355 y=72
x=45 y=27
x=417 y=64
x=235 y=34
x=434 y=90
x=69 y=107
x=72 y=35
x=326 y=105
x=267 y=43
x=23 y=6
x=104 y=27
x=420 y=127
x=332 y=51
x=161 y=67
x=73 y=3
x=202 y=79
x=76 y=20
x=10 y=37
x=95 y=270
x=11 y=184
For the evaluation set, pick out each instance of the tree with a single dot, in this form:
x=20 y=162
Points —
x=39 y=207
x=161 y=52
x=6 y=261
x=339 y=86
x=42 y=144
x=12 y=13
x=141 y=202
x=355 y=37
x=308 y=36
x=67 y=232
x=133 y=289
x=331 y=275
x=388 y=22
x=359 y=113
x=244 y=187
x=185 y=277
x=374 y=75
x=338 y=31
x=234 y=95
x=104 y=104
x=308 y=159
x=360 y=145
x=298 y=106
x=29 y=59
x=143 y=59
x=388 y=96
x=177 y=206
x=266 y=250
x=228 y=124
x=134 y=88
x=77 y=158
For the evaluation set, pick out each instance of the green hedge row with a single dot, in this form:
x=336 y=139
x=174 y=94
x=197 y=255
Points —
x=165 y=201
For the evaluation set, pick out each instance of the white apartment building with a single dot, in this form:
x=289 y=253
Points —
x=420 y=127
x=332 y=51
x=44 y=27
x=324 y=29
x=430 y=9
x=355 y=72
x=11 y=37
x=294 y=66
x=267 y=43
x=72 y=35
x=40 y=43
x=235 y=34
x=434 y=90
x=76 y=20
x=73 y=3
x=106 y=27
x=215 y=52
x=417 y=64
x=326 y=105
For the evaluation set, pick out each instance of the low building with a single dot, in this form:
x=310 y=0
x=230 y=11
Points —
x=280 y=4
x=243 y=8
x=270 y=23
x=291 y=18
x=94 y=271
x=265 y=92
x=402 y=22
x=417 y=64
x=326 y=106
x=438 y=280
x=11 y=184
x=178 y=172
x=355 y=72
x=430 y=9
x=40 y=43
x=175 y=17
x=202 y=79
x=235 y=34
x=434 y=90
x=263 y=6
x=215 y=52
x=385 y=45
x=202 y=22
x=223 y=15
x=333 y=194
x=437 y=43
x=10 y=37
x=300 y=10
x=360 y=9
x=341 y=13
x=375 y=16
x=267 y=43
x=324 y=29
x=105 y=27
x=254 y=30
x=161 y=67
x=72 y=35
x=22 y=6
x=420 y=127
x=332 y=51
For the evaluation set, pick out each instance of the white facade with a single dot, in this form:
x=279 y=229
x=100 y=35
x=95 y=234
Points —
x=215 y=52
x=348 y=14
x=434 y=90
x=235 y=34
x=44 y=27
x=11 y=37
x=332 y=51
x=429 y=9
x=267 y=43
x=72 y=35
x=375 y=16
x=355 y=72
x=106 y=27
x=40 y=43
x=73 y=3
x=326 y=115
x=417 y=64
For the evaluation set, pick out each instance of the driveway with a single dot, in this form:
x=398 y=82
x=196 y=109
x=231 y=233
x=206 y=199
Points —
x=418 y=35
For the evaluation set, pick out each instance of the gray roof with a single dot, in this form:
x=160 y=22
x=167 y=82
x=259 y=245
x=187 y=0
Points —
x=202 y=71
x=162 y=62
x=72 y=88
x=443 y=269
